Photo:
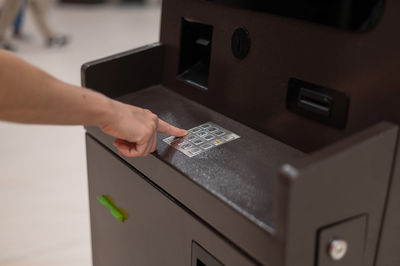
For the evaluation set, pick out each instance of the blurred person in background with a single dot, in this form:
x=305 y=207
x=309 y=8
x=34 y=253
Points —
x=9 y=13
x=18 y=23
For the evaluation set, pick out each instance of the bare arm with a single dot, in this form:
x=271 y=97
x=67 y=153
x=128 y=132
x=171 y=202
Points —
x=29 y=95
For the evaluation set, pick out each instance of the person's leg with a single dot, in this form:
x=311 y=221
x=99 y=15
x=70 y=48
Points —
x=19 y=21
x=39 y=10
x=8 y=13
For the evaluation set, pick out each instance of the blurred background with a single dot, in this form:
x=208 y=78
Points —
x=44 y=213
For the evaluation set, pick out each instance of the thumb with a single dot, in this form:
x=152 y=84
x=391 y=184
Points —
x=164 y=127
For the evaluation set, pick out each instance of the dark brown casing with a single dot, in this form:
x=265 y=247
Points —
x=289 y=185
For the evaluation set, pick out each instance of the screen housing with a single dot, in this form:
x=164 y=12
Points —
x=352 y=15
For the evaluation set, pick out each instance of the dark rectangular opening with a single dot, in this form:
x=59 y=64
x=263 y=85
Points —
x=200 y=263
x=319 y=103
x=194 y=59
x=315 y=102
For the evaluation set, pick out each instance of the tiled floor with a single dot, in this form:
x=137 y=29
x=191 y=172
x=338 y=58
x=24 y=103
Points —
x=44 y=216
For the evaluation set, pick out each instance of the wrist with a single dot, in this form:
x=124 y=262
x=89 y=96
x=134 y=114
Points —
x=105 y=110
x=109 y=112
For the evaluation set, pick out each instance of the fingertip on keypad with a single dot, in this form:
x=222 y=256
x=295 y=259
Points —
x=201 y=138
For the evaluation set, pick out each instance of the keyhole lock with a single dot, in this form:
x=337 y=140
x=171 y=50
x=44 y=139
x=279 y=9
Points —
x=240 y=43
x=337 y=249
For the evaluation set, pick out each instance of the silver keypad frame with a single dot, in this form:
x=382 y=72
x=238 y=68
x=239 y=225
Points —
x=201 y=138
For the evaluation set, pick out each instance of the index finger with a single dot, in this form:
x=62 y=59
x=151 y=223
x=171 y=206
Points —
x=164 y=127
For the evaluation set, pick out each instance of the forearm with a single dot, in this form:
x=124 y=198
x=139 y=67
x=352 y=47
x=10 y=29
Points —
x=29 y=95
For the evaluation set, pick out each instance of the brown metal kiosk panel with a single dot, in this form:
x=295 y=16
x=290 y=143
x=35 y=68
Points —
x=352 y=231
x=388 y=252
x=237 y=228
x=253 y=90
x=367 y=155
x=350 y=178
x=125 y=72
x=156 y=232
x=229 y=200
x=239 y=188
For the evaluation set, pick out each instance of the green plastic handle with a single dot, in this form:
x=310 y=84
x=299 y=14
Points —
x=113 y=209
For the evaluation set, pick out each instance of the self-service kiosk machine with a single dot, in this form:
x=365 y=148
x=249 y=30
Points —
x=292 y=157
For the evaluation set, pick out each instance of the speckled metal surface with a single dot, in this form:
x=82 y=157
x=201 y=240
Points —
x=201 y=138
x=242 y=173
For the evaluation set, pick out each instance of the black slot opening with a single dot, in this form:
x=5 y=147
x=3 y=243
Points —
x=201 y=257
x=200 y=263
x=194 y=60
x=319 y=103
x=315 y=102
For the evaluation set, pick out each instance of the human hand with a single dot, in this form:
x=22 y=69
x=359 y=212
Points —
x=136 y=129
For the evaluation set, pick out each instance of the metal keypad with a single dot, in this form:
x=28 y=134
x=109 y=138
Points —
x=201 y=138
